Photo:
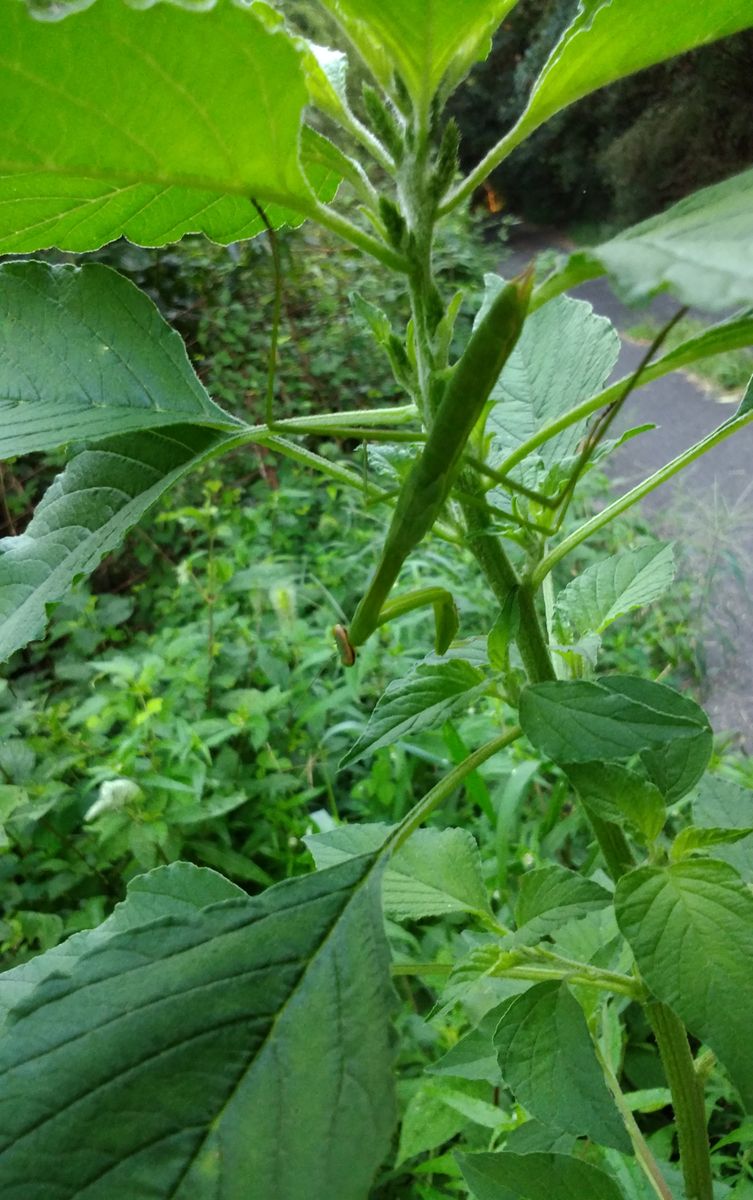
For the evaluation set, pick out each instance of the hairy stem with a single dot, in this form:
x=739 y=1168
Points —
x=687 y=1100
x=340 y=225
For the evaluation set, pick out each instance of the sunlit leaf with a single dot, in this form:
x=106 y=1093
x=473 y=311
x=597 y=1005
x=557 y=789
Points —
x=166 y=151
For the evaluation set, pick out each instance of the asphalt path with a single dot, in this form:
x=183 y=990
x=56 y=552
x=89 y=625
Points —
x=707 y=509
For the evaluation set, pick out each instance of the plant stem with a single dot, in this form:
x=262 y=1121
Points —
x=502 y=579
x=687 y=1100
x=531 y=639
x=334 y=470
x=398 y=414
x=645 y=1158
x=340 y=225
x=442 y=790
x=637 y=493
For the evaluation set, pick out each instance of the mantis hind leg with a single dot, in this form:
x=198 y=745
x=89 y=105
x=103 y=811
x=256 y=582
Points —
x=445 y=619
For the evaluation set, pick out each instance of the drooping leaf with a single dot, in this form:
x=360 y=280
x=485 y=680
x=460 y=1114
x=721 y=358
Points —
x=425 y=698
x=618 y=794
x=552 y=895
x=193 y=1040
x=564 y=355
x=437 y=871
x=85 y=514
x=610 y=39
x=429 y=42
x=701 y=249
x=535 y=1176
x=614 y=586
x=677 y=766
x=85 y=355
x=167 y=151
x=690 y=926
x=621 y=715
x=721 y=802
x=547 y=1058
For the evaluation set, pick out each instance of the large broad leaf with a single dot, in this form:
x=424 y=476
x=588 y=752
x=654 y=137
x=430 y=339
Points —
x=610 y=39
x=614 y=586
x=701 y=249
x=193 y=1050
x=85 y=514
x=174 y=147
x=581 y=721
x=437 y=871
x=85 y=354
x=429 y=42
x=723 y=803
x=535 y=1176
x=427 y=697
x=691 y=930
x=547 y=1058
x=564 y=355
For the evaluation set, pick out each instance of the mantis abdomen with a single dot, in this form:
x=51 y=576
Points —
x=429 y=482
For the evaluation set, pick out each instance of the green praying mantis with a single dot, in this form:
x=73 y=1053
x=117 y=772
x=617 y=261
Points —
x=430 y=480
x=438 y=470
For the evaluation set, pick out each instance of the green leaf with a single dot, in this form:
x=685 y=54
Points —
x=535 y=1176
x=610 y=39
x=701 y=249
x=617 y=794
x=84 y=514
x=431 y=43
x=564 y=355
x=437 y=871
x=509 y=808
x=614 y=586
x=552 y=895
x=428 y=1122
x=581 y=721
x=167 y=151
x=192 y=1042
x=746 y=404
x=548 y=1060
x=473 y=1056
x=693 y=839
x=676 y=767
x=720 y=802
x=104 y=360
x=424 y=699
x=691 y=929
x=533 y=1136
x=503 y=632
